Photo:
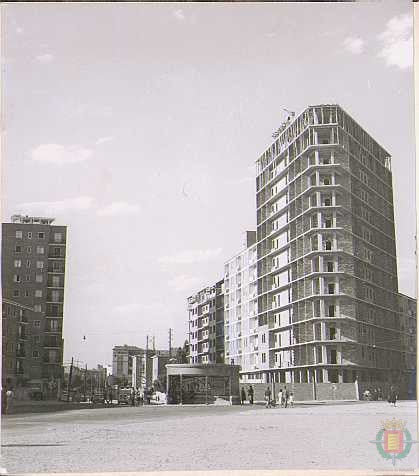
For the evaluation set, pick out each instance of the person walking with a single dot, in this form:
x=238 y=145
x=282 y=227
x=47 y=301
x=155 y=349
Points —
x=286 y=397
x=268 y=397
x=280 y=398
x=9 y=400
x=291 y=399
x=392 y=399
x=242 y=396
x=250 y=393
x=132 y=397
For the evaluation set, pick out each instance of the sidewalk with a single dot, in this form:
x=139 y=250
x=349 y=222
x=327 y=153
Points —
x=35 y=406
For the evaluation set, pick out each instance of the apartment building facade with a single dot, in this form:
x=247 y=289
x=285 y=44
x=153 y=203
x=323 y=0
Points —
x=240 y=307
x=206 y=325
x=408 y=327
x=327 y=274
x=33 y=279
x=133 y=366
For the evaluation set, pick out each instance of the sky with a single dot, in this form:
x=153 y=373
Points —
x=138 y=126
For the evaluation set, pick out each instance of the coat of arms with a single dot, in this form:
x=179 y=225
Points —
x=393 y=440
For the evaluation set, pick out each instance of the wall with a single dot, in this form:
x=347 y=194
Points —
x=307 y=391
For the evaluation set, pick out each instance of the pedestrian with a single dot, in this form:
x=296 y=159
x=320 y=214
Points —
x=268 y=397
x=9 y=400
x=242 y=396
x=250 y=393
x=392 y=399
x=286 y=397
x=291 y=399
x=132 y=397
x=138 y=396
x=280 y=398
x=3 y=400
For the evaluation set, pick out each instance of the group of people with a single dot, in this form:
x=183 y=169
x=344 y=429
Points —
x=250 y=393
x=284 y=399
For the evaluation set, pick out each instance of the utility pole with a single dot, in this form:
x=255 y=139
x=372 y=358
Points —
x=154 y=344
x=69 y=380
x=170 y=342
x=146 y=364
x=85 y=382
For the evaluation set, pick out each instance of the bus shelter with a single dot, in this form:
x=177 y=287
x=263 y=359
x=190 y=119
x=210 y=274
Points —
x=203 y=383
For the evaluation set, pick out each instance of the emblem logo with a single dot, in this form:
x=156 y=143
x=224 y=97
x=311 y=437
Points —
x=393 y=440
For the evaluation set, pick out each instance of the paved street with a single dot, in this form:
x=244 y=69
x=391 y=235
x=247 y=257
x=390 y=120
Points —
x=202 y=438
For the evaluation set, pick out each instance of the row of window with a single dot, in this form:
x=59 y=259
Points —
x=40 y=250
x=58 y=237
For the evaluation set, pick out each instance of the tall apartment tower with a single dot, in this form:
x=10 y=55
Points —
x=206 y=325
x=240 y=307
x=33 y=270
x=327 y=275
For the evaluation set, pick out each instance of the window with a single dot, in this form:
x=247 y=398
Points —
x=18 y=249
x=29 y=235
x=28 y=263
x=263 y=358
x=57 y=252
x=58 y=237
x=16 y=293
x=332 y=333
x=55 y=281
x=37 y=308
x=35 y=354
x=18 y=263
x=40 y=250
x=36 y=339
x=38 y=293
x=328 y=245
x=330 y=266
x=16 y=278
x=56 y=266
x=40 y=264
x=263 y=338
x=327 y=202
x=29 y=249
x=331 y=310
x=39 y=278
x=27 y=293
x=333 y=357
x=328 y=223
x=41 y=235
x=327 y=181
x=27 y=277
x=19 y=234
x=331 y=288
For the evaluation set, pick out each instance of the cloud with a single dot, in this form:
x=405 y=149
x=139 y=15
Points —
x=178 y=14
x=354 y=45
x=45 y=58
x=397 y=42
x=103 y=140
x=184 y=282
x=60 y=155
x=51 y=208
x=118 y=208
x=191 y=256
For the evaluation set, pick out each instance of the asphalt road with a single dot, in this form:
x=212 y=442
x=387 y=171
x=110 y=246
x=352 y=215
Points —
x=202 y=438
